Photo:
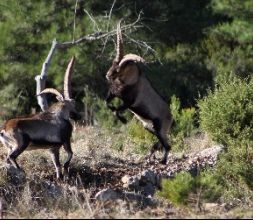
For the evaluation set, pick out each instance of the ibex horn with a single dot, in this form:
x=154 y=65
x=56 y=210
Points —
x=119 y=49
x=131 y=57
x=67 y=79
x=53 y=91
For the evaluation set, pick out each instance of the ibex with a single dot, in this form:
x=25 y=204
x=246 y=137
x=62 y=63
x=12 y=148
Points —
x=127 y=82
x=46 y=130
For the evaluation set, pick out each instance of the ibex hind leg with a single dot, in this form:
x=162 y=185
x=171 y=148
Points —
x=166 y=147
x=67 y=148
x=55 y=154
x=161 y=135
x=157 y=146
x=149 y=127
x=13 y=155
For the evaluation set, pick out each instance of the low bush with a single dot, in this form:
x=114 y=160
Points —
x=184 y=188
x=227 y=116
x=184 y=123
x=227 y=113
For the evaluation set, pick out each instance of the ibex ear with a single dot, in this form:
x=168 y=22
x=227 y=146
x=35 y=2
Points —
x=129 y=75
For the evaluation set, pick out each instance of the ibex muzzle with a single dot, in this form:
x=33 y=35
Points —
x=46 y=130
x=127 y=82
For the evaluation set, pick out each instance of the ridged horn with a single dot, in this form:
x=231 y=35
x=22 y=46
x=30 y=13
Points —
x=131 y=57
x=53 y=91
x=67 y=79
x=119 y=49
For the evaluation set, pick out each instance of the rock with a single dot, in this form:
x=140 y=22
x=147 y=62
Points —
x=108 y=194
x=210 y=206
x=52 y=189
x=212 y=151
x=16 y=176
x=131 y=182
x=138 y=198
x=148 y=176
x=149 y=190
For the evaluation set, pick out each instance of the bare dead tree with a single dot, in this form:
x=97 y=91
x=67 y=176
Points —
x=97 y=35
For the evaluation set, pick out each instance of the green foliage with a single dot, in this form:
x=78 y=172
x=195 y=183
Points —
x=26 y=40
x=178 y=189
x=184 y=118
x=210 y=187
x=184 y=188
x=12 y=101
x=227 y=114
x=105 y=116
x=184 y=123
x=234 y=169
x=230 y=42
x=140 y=136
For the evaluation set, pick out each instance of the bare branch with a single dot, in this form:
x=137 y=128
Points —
x=143 y=44
x=110 y=14
x=108 y=24
x=74 y=25
x=41 y=79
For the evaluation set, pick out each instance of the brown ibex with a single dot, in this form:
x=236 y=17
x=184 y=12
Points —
x=50 y=129
x=127 y=82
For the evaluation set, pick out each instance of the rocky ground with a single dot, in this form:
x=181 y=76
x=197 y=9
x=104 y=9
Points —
x=105 y=183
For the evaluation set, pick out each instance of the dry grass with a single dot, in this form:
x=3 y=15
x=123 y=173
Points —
x=96 y=164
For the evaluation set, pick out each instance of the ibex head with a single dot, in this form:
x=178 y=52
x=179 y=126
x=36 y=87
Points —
x=119 y=71
x=65 y=108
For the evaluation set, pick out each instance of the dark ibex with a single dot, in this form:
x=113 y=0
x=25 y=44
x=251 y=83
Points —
x=46 y=130
x=127 y=82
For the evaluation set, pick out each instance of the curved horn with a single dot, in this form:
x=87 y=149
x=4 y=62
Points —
x=131 y=57
x=67 y=79
x=119 y=49
x=53 y=91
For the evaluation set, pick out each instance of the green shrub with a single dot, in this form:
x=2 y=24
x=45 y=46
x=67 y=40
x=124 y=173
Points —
x=12 y=101
x=227 y=113
x=177 y=190
x=96 y=111
x=184 y=122
x=227 y=116
x=142 y=138
x=234 y=169
x=184 y=188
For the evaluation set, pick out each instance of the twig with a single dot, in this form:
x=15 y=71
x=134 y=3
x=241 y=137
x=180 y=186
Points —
x=110 y=13
x=144 y=44
x=74 y=25
x=92 y=19
x=109 y=18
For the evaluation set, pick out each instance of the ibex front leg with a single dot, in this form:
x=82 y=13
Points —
x=117 y=110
